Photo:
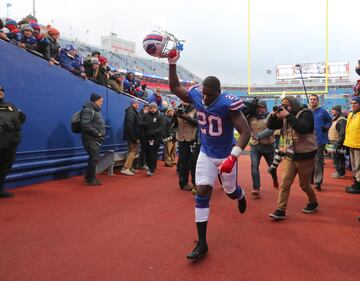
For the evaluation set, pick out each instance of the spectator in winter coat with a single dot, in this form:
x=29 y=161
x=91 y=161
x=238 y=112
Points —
x=2 y=33
x=132 y=135
x=144 y=94
x=337 y=137
x=52 y=49
x=154 y=132
x=156 y=97
x=71 y=61
x=115 y=82
x=142 y=114
x=323 y=122
x=352 y=140
x=92 y=135
x=25 y=38
x=13 y=28
x=129 y=83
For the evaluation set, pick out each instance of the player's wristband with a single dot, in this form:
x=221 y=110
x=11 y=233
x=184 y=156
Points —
x=236 y=151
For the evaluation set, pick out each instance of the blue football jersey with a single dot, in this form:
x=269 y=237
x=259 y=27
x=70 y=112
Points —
x=215 y=126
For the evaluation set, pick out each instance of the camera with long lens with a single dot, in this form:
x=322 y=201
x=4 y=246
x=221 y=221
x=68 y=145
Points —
x=277 y=109
x=278 y=156
x=250 y=107
x=168 y=139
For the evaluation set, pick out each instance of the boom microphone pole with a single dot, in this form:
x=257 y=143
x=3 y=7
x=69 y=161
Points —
x=302 y=79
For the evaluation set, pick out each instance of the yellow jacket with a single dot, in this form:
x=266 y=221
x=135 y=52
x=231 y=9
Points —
x=352 y=133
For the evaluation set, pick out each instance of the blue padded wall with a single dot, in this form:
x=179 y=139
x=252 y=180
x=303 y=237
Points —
x=49 y=95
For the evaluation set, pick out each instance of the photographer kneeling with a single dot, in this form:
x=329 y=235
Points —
x=297 y=125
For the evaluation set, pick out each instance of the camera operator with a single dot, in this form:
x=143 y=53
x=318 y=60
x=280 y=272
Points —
x=11 y=120
x=297 y=125
x=337 y=137
x=262 y=145
x=185 y=124
x=92 y=135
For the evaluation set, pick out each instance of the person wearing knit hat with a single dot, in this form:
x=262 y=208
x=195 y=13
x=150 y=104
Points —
x=50 y=47
x=25 y=39
x=132 y=135
x=337 y=108
x=26 y=27
x=94 y=97
x=115 y=82
x=352 y=140
x=261 y=145
x=153 y=105
x=336 y=138
x=153 y=135
x=156 y=97
x=356 y=99
x=134 y=100
x=92 y=135
x=52 y=31
x=262 y=103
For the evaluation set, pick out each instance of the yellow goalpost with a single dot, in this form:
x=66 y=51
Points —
x=294 y=92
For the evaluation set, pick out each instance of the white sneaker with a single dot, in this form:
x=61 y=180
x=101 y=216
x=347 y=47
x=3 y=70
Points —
x=150 y=174
x=126 y=172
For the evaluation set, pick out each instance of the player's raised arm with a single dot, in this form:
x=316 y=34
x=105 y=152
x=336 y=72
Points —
x=174 y=83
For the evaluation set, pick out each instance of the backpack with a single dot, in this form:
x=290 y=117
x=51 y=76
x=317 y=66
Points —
x=76 y=121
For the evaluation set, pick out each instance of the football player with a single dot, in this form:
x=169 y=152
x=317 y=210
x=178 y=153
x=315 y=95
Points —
x=217 y=113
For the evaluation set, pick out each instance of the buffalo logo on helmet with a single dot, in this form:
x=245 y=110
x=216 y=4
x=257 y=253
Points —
x=161 y=44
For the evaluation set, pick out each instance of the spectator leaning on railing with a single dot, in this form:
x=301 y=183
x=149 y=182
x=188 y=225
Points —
x=2 y=33
x=52 y=49
x=129 y=83
x=71 y=61
x=25 y=38
x=12 y=27
x=115 y=82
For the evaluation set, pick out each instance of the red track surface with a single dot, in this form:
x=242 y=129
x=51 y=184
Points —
x=140 y=228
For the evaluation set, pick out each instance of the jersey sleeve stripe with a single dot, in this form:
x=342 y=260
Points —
x=235 y=103
x=240 y=106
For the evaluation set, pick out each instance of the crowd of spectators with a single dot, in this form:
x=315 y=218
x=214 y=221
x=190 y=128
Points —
x=44 y=42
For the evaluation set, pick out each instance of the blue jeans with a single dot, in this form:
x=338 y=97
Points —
x=255 y=157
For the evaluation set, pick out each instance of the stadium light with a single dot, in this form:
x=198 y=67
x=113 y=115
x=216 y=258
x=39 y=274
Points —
x=34 y=8
x=8 y=5
x=291 y=92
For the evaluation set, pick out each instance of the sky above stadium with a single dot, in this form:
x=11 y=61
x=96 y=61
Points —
x=282 y=31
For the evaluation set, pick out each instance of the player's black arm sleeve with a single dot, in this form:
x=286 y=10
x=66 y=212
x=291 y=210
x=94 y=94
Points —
x=241 y=125
x=174 y=84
